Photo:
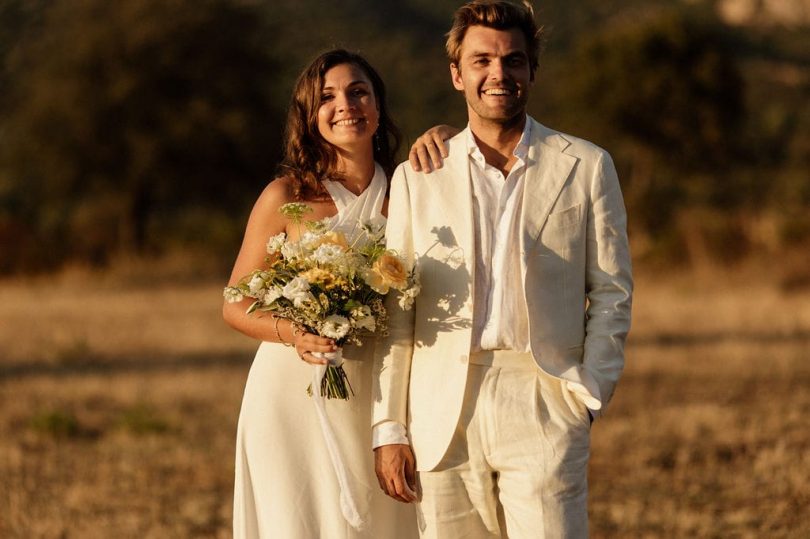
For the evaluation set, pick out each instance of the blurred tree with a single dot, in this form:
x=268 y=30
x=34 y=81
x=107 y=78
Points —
x=668 y=89
x=140 y=124
x=403 y=40
x=123 y=111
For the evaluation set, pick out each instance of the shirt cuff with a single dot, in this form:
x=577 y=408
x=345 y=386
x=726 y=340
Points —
x=388 y=433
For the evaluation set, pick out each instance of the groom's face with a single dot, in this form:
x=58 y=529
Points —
x=494 y=73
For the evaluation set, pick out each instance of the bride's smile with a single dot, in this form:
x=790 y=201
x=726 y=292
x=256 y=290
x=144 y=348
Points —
x=348 y=114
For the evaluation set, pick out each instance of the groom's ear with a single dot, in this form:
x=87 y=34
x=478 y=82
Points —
x=455 y=75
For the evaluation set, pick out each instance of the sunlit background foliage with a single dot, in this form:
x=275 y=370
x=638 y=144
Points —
x=146 y=126
x=136 y=134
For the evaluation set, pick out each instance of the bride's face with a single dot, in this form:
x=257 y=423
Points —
x=348 y=115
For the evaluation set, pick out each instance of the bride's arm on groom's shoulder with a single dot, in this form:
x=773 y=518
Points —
x=429 y=150
x=264 y=222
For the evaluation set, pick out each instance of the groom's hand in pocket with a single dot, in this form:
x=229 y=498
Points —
x=396 y=471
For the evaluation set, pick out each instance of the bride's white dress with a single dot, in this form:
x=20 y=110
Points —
x=286 y=486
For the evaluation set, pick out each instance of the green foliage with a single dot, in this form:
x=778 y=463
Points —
x=123 y=109
x=75 y=352
x=665 y=92
x=671 y=85
x=142 y=419
x=56 y=423
x=148 y=125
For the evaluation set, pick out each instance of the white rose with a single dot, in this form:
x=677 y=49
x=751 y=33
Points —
x=328 y=253
x=256 y=285
x=275 y=243
x=271 y=295
x=290 y=251
x=298 y=292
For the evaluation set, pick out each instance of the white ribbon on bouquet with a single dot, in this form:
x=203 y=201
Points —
x=348 y=503
x=352 y=210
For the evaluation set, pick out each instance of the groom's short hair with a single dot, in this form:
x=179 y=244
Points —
x=500 y=15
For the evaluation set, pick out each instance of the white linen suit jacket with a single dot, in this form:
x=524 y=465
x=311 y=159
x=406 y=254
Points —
x=575 y=265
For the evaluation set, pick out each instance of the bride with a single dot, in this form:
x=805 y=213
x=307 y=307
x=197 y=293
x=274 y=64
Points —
x=340 y=146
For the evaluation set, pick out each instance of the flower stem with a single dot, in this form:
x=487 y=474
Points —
x=335 y=384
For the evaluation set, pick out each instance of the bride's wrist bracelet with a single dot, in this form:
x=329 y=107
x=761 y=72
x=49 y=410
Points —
x=278 y=334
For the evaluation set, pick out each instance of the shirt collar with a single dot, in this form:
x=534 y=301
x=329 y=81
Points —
x=521 y=149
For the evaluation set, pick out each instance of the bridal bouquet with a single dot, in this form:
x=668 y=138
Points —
x=329 y=285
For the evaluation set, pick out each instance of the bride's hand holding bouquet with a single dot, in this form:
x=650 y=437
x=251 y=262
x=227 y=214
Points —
x=330 y=286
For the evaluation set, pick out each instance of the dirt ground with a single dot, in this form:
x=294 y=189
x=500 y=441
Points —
x=118 y=409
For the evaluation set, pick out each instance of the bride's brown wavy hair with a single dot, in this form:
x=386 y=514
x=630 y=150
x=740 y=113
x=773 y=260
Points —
x=309 y=159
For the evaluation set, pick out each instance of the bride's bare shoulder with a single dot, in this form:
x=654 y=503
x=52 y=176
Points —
x=277 y=193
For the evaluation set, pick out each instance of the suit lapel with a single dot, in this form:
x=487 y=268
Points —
x=547 y=170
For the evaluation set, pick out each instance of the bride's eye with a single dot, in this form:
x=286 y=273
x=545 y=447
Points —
x=326 y=97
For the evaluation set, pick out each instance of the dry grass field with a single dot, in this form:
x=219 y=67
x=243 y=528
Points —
x=118 y=411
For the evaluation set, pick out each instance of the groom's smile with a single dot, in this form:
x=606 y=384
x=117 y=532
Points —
x=493 y=73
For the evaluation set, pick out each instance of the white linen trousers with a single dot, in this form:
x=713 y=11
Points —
x=517 y=464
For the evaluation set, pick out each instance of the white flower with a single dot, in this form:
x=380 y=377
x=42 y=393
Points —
x=272 y=295
x=361 y=312
x=335 y=326
x=368 y=323
x=363 y=319
x=290 y=251
x=375 y=229
x=407 y=297
x=256 y=285
x=275 y=243
x=232 y=294
x=298 y=292
x=310 y=240
x=328 y=253
x=348 y=264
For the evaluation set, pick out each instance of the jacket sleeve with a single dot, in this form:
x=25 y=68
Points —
x=609 y=281
x=392 y=358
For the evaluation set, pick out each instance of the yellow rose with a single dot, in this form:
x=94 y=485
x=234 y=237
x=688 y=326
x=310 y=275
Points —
x=391 y=271
x=335 y=238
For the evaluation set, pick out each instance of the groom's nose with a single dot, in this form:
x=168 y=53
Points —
x=496 y=71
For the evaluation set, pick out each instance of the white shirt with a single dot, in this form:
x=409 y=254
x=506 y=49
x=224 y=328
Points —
x=500 y=320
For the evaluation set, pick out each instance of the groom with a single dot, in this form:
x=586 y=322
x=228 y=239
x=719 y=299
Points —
x=485 y=391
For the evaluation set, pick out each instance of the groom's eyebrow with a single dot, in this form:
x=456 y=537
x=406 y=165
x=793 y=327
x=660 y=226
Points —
x=511 y=54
